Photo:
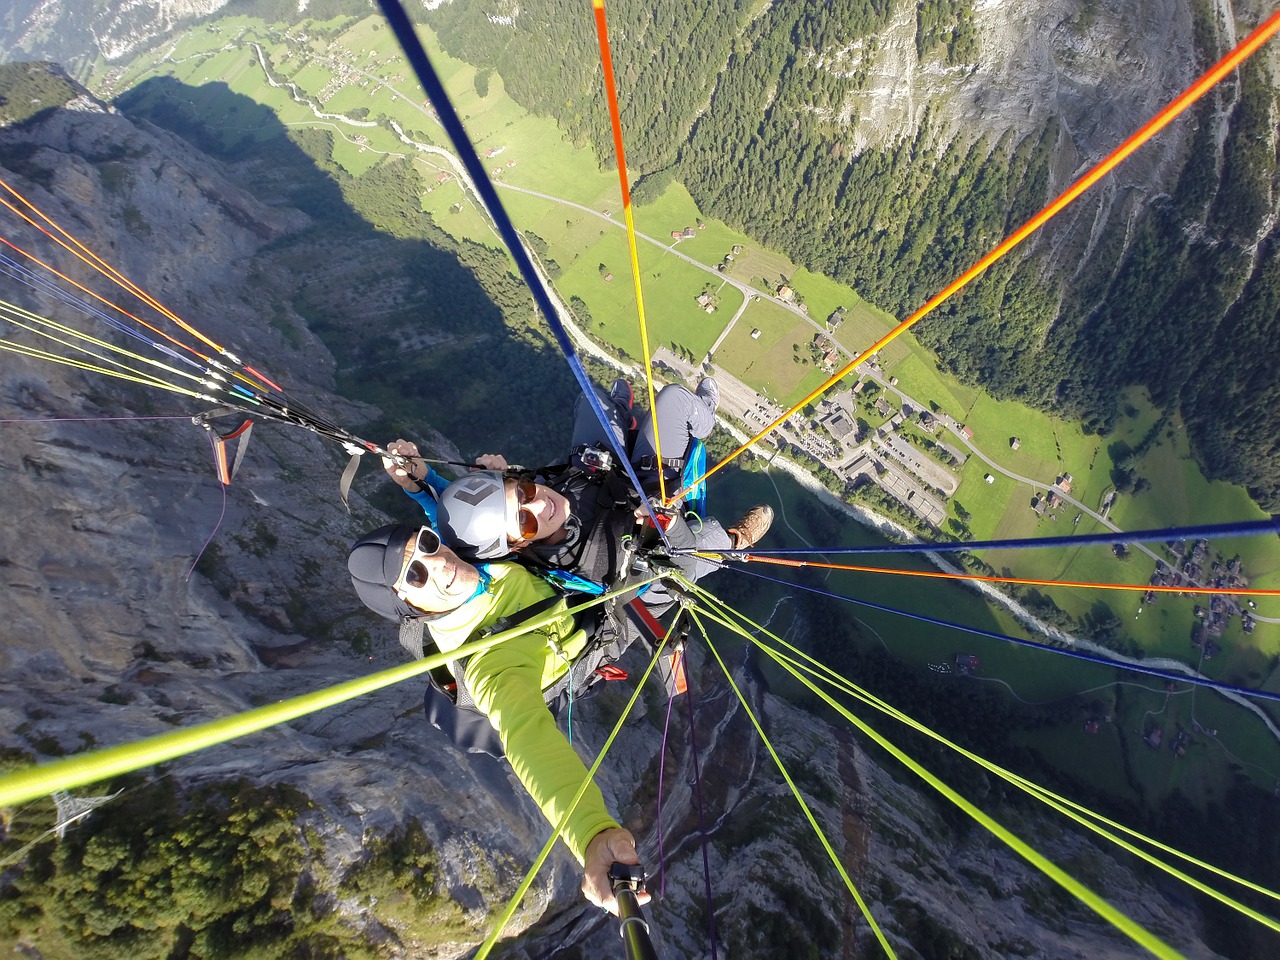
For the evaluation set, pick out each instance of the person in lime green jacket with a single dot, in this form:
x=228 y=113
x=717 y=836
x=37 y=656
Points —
x=408 y=575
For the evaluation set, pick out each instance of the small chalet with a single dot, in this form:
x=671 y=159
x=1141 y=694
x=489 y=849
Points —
x=755 y=334
x=785 y=293
x=1014 y=443
x=1064 y=483
x=966 y=432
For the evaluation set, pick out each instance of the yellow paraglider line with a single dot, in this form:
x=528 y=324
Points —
x=611 y=95
x=1116 y=918
x=1087 y=818
x=795 y=791
x=510 y=909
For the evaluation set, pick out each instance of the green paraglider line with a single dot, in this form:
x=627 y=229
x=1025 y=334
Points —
x=42 y=779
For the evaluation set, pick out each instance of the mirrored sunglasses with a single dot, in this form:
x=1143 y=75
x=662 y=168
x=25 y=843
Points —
x=415 y=573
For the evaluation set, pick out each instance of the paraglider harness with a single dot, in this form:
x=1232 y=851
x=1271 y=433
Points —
x=614 y=550
x=615 y=547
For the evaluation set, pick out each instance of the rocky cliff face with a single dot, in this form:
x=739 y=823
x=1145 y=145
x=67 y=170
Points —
x=109 y=636
x=70 y=29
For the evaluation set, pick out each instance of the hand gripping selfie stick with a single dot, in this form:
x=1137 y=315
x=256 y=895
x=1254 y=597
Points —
x=628 y=880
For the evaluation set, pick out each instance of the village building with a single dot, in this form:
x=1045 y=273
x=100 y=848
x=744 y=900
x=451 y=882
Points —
x=1014 y=443
x=1064 y=483
x=755 y=334
x=786 y=294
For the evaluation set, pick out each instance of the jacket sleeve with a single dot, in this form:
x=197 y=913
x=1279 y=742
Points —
x=505 y=682
x=432 y=486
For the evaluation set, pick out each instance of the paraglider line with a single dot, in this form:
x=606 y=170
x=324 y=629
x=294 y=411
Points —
x=509 y=911
x=795 y=791
x=1209 y=531
x=1032 y=644
x=611 y=97
x=1025 y=581
x=1198 y=89
x=1085 y=817
x=434 y=89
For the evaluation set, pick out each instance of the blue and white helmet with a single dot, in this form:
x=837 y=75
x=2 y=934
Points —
x=473 y=516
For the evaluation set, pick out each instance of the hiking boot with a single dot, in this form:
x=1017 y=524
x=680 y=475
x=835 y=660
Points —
x=709 y=391
x=625 y=399
x=755 y=523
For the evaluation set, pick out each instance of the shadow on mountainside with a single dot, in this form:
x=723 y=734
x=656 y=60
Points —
x=414 y=318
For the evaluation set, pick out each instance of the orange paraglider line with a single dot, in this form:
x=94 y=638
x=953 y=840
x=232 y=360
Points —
x=1198 y=89
x=611 y=96
x=83 y=289
x=942 y=575
x=93 y=260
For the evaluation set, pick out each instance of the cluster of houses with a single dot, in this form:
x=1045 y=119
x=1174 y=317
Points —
x=1192 y=568
x=830 y=354
x=1045 y=503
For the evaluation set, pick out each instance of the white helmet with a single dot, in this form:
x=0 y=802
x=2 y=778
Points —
x=473 y=516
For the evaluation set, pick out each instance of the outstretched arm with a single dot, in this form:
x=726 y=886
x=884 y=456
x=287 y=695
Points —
x=506 y=683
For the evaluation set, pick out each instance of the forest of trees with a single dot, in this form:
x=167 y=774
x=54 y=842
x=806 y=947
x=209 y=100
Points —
x=741 y=110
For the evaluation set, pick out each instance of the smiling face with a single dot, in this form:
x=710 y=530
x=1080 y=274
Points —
x=535 y=512
x=437 y=582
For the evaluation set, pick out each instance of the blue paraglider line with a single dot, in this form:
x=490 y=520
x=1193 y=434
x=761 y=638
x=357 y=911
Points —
x=421 y=63
x=1032 y=644
x=1210 y=531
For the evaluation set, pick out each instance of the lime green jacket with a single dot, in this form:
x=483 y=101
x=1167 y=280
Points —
x=507 y=681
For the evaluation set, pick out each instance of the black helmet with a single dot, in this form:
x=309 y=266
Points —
x=473 y=516
x=375 y=562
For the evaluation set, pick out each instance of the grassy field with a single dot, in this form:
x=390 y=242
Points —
x=769 y=363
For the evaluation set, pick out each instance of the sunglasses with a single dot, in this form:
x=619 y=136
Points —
x=415 y=573
x=525 y=492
